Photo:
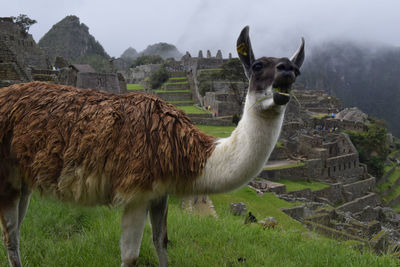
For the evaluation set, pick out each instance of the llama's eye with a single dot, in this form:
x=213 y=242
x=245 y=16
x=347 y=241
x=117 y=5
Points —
x=281 y=67
x=258 y=66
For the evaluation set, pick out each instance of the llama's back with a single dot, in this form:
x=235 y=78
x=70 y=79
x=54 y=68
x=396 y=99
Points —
x=92 y=147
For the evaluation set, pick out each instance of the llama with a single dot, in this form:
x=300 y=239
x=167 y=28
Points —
x=95 y=148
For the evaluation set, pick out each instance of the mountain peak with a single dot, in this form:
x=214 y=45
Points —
x=70 y=39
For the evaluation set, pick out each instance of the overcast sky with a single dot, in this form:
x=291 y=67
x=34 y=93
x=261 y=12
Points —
x=191 y=25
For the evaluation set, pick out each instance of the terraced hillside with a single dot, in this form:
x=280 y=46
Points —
x=389 y=185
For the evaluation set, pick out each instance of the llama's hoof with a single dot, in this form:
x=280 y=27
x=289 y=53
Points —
x=281 y=99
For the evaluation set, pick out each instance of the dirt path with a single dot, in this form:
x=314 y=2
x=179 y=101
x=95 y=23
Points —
x=279 y=163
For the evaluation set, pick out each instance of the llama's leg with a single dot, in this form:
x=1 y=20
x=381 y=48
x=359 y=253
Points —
x=23 y=203
x=133 y=221
x=9 y=221
x=158 y=217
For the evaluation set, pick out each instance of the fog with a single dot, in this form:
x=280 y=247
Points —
x=275 y=26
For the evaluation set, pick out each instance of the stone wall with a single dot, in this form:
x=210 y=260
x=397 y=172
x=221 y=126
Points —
x=102 y=81
x=8 y=71
x=334 y=194
x=317 y=101
x=343 y=168
x=22 y=45
x=279 y=153
x=360 y=203
x=360 y=188
x=331 y=123
x=223 y=104
x=299 y=173
x=291 y=128
x=139 y=73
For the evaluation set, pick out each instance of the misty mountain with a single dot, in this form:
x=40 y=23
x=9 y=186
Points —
x=368 y=78
x=71 y=39
x=164 y=50
x=130 y=54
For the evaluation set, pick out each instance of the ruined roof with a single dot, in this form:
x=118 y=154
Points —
x=82 y=67
x=352 y=114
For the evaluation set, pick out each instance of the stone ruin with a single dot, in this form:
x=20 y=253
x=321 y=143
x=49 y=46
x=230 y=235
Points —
x=348 y=208
x=21 y=60
x=84 y=76
x=19 y=54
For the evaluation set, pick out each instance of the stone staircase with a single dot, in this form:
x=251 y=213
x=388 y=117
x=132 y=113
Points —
x=176 y=90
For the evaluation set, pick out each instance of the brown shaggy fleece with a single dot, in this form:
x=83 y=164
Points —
x=48 y=132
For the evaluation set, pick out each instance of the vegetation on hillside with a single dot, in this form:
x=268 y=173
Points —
x=232 y=70
x=372 y=147
x=159 y=77
x=147 y=59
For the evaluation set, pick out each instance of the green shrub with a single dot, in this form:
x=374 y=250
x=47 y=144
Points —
x=372 y=147
x=158 y=78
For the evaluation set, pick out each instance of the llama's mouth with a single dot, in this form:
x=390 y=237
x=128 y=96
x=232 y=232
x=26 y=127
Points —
x=281 y=95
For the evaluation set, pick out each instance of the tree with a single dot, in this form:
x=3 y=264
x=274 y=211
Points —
x=147 y=59
x=158 y=78
x=24 y=22
x=232 y=70
x=372 y=146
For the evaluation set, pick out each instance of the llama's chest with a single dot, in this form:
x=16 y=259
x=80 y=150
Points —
x=83 y=187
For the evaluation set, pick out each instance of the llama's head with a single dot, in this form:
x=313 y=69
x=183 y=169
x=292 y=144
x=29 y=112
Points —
x=270 y=78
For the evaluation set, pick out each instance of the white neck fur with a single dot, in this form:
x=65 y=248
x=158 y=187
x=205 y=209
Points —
x=239 y=158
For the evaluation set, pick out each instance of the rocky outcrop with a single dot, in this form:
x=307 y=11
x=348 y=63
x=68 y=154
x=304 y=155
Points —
x=70 y=39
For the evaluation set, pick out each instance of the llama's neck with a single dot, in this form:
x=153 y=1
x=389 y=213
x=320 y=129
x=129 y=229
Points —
x=240 y=157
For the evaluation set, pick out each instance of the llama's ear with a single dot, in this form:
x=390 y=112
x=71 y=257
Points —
x=298 y=57
x=245 y=52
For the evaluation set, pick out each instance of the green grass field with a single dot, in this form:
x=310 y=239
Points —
x=180 y=101
x=299 y=185
x=193 y=110
x=177 y=82
x=172 y=79
x=172 y=91
x=134 y=86
x=217 y=131
x=59 y=234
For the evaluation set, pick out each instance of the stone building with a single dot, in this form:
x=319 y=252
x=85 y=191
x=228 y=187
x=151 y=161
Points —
x=84 y=76
x=28 y=53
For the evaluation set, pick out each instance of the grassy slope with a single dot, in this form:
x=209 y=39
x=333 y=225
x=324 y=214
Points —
x=219 y=131
x=193 y=110
x=294 y=186
x=59 y=234
x=134 y=86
